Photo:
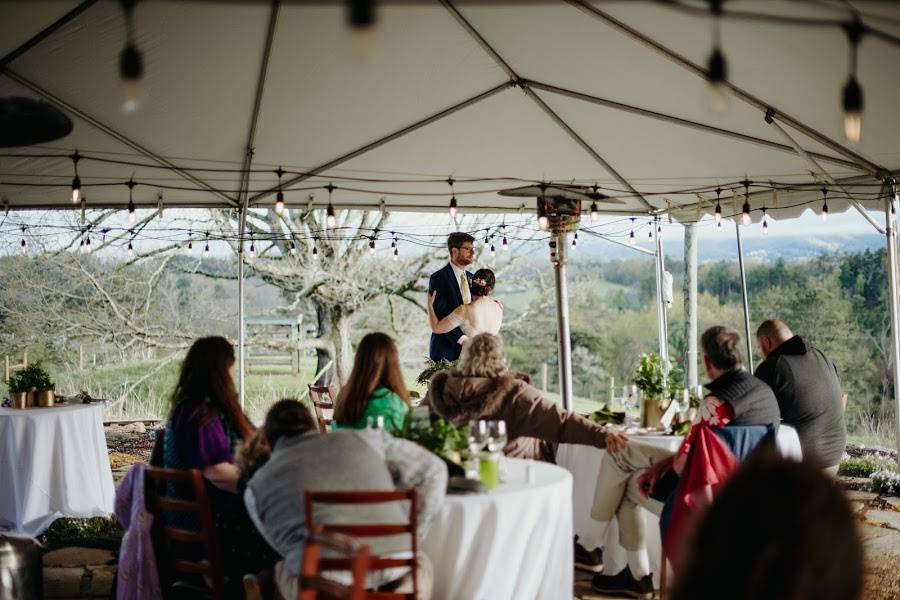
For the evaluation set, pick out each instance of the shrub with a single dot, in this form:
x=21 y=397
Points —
x=862 y=466
x=885 y=481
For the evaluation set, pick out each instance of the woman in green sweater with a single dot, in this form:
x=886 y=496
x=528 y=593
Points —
x=375 y=387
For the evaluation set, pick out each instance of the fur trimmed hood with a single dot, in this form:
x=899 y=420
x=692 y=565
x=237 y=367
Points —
x=459 y=398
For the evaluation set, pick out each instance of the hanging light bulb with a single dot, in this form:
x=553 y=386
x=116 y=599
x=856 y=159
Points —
x=87 y=245
x=718 y=213
x=315 y=248
x=206 y=250
x=81 y=245
x=132 y=217
x=631 y=239
x=824 y=203
x=190 y=244
x=543 y=220
x=130 y=250
x=131 y=63
x=852 y=100
x=745 y=213
x=76 y=189
x=279 y=197
x=396 y=254
x=293 y=249
x=594 y=215
x=493 y=251
x=575 y=241
x=453 y=207
x=372 y=246
x=765 y=223
x=717 y=67
x=331 y=219
x=505 y=245
x=252 y=249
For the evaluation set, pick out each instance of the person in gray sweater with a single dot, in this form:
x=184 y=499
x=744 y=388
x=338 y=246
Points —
x=808 y=390
x=369 y=459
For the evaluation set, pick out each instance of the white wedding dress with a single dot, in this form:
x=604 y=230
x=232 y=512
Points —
x=483 y=315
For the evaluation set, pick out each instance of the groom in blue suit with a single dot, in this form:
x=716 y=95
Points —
x=452 y=286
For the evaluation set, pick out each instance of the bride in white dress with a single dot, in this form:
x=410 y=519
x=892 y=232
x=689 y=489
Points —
x=482 y=315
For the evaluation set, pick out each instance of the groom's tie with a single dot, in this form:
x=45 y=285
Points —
x=464 y=288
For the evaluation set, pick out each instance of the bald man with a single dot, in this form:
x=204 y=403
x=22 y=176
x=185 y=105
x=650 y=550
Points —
x=808 y=390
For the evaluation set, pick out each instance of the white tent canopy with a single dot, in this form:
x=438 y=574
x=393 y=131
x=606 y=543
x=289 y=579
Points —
x=563 y=92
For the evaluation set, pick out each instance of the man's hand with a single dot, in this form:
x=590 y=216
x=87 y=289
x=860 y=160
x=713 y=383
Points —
x=615 y=442
x=647 y=481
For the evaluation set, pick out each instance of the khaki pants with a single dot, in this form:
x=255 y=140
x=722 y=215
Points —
x=286 y=584
x=617 y=494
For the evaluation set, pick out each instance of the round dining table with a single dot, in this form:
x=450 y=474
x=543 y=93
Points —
x=584 y=464
x=53 y=463
x=512 y=542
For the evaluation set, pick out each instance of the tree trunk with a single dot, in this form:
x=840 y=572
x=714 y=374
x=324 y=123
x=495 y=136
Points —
x=323 y=357
x=343 y=349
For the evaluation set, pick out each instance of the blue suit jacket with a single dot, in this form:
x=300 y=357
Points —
x=444 y=346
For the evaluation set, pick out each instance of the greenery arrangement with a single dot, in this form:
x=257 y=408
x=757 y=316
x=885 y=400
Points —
x=32 y=377
x=651 y=380
x=439 y=436
x=432 y=367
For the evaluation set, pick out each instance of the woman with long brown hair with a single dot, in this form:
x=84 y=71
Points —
x=375 y=387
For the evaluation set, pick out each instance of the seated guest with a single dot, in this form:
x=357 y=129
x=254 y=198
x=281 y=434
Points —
x=779 y=530
x=808 y=390
x=345 y=460
x=629 y=473
x=375 y=387
x=482 y=387
x=204 y=429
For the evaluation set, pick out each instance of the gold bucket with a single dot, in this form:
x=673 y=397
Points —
x=18 y=399
x=45 y=398
x=651 y=412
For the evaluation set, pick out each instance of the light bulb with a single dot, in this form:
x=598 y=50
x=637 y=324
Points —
x=131 y=68
x=745 y=213
x=206 y=251
x=130 y=250
x=493 y=251
x=453 y=207
x=505 y=245
x=87 y=245
x=332 y=219
x=594 y=215
x=252 y=250
x=718 y=213
x=396 y=253
x=718 y=74
x=631 y=239
x=279 y=202
x=824 y=211
x=190 y=245
x=81 y=246
x=765 y=227
x=853 y=107
x=293 y=249
x=76 y=190
x=719 y=225
x=372 y=247
x=132 y=217
x=315 y=251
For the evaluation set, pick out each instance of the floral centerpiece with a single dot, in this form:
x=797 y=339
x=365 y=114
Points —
x=656 y=389
x=432 y=367
x=31 y=386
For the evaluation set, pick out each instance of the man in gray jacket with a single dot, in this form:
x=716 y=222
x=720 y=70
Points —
x=368 y=459
x=808 y=390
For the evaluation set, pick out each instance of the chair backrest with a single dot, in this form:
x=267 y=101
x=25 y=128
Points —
x=165 y=536
x=364 y=530
x=322 y=398
x=312 y=586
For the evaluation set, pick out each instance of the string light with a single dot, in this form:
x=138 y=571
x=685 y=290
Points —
x=293 y=249
x=745 y=212
x=132 y=217
x=279 y=197
x=594 y=195
x=454 y=209
x=372 y=246
x=543 y=220
x=718 y=208
x=717 y=67
x=575 y=241
x=131 y=63
x=315 y=248
x=505 y=245
x=331 y=219
x=765 y=223
x=76 y=182
x=396 y=248
x=87 y=245
x=853 y=94
x=631 y=239
x=824 y=203
x=206 y=247
x=130 y=250
x=252 y=247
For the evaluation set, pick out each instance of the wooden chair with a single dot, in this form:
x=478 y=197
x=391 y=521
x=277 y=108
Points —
x=364 y=530
x=158 y=504
x=312 y=586
x=320 y=405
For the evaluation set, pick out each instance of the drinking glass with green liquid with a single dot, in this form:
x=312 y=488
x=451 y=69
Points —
x=489 y=469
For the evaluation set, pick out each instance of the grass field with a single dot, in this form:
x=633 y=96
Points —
x=134 y=394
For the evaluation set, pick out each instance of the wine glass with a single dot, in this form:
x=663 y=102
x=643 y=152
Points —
x=476 y=439
x=498 y=437
x=375 y=422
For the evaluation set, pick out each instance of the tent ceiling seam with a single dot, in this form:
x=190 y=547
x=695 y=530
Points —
x=740 y=93
x=520 y=82
x=45 y=33
x=106 y=129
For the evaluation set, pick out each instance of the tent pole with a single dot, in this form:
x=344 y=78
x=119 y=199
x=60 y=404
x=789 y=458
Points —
x=690 y=304
x=661 y=318
x=740 y=250
x=562 y=320
x=890 y=234
x=240 y=369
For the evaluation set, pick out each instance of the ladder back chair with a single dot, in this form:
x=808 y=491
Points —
x=322 y=398
x=313 y=586
x=366 y=530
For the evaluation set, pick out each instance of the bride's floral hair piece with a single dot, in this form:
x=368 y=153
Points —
x=482 y=283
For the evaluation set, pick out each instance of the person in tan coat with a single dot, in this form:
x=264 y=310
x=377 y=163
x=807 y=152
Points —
x=482 y=387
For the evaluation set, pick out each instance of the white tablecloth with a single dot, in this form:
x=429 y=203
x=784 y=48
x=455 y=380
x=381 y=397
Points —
x=584 y=464
x=515 y=542
x=53 y=463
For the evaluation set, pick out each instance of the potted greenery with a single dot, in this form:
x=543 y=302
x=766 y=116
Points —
x=19 y=391
x=650 y=378
x=35 y=380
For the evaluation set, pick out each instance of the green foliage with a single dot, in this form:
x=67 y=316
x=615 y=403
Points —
x=440 y=437
x=650 y=379
x=432 y=367
x=607 y=416
x=862 y=466
x=96 y=532
x=32 y=377
x=885 y=481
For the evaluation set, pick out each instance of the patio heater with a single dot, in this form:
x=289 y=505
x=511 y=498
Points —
x=559 y=212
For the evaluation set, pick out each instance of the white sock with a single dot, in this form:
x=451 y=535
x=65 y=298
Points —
x=596 y=537
x=638 y=562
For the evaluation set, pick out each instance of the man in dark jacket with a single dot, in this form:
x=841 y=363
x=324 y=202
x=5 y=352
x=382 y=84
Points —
x=808 y=390
x=629 y=473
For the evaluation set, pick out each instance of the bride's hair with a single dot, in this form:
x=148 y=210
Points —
x=483 y=282
x=482 y=356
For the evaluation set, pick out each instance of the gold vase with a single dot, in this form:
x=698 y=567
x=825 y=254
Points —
x=18 y=399
x=651 y=412
x=44 y=398
x=29 y=398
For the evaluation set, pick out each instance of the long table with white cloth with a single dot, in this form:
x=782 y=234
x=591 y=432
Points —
x=514 y=542
x=584 y=464
x=53 y=463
